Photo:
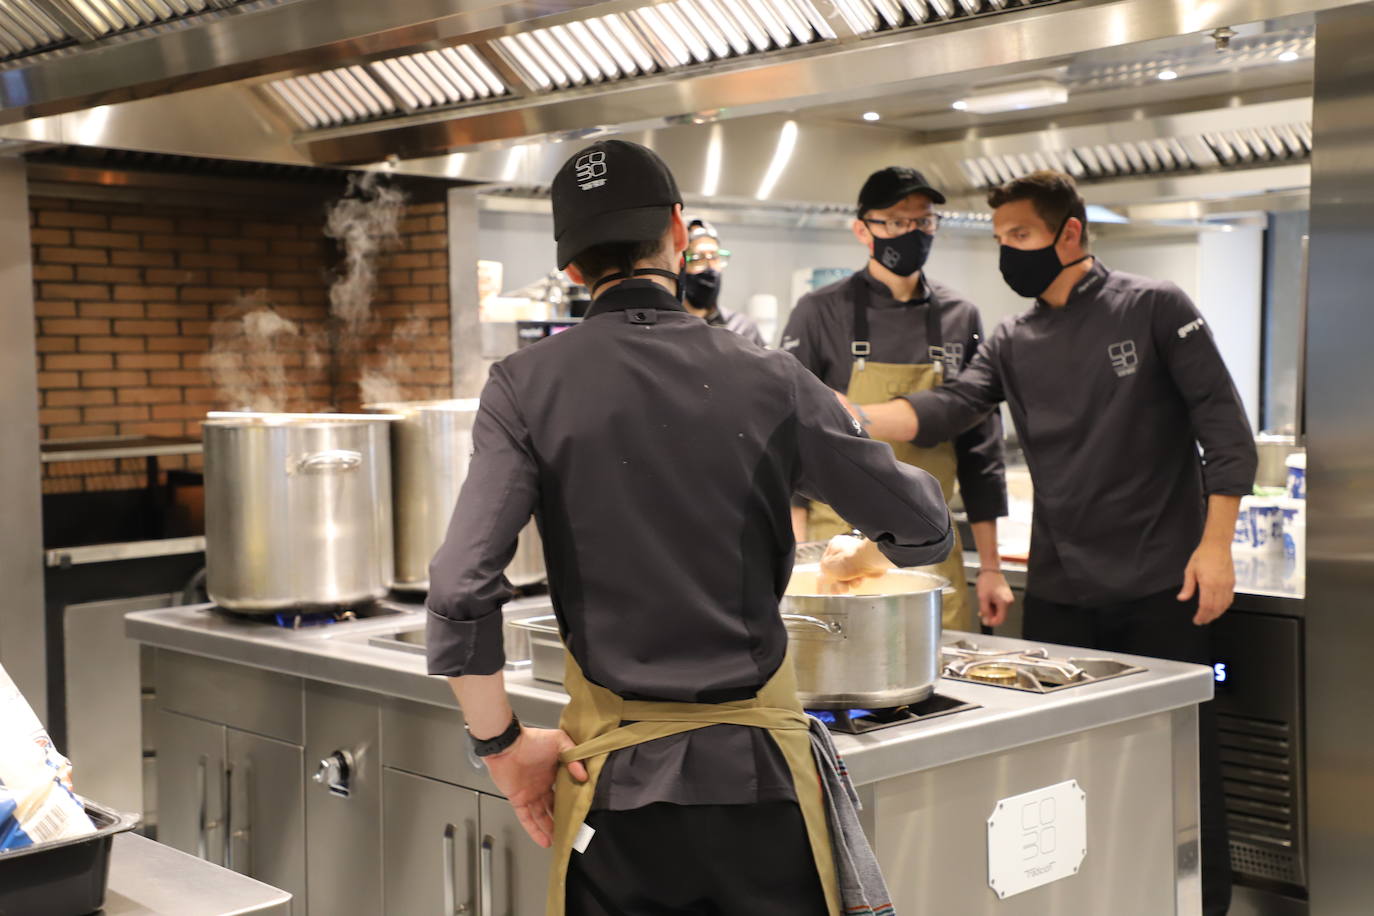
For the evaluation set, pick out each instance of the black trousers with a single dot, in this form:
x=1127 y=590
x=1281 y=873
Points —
x=1158 y=626
x=703 y=860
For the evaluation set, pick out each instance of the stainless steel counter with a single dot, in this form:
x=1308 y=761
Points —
x=1257 y=576
x=342 y=654
x=149 y=879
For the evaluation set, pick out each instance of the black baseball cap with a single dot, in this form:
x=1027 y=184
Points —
x=886 y=187
x=611 y=191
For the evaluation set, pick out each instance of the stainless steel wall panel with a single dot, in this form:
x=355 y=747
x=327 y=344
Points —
x=1340 y=443
x=22 y=643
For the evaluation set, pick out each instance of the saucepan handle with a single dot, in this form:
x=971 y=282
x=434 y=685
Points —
x=339 y=459
x=802 y=620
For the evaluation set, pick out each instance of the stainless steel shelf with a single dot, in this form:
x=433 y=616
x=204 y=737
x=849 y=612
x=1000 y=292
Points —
x=107 y=448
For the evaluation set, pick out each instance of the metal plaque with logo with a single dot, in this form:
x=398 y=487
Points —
x=1036 y=838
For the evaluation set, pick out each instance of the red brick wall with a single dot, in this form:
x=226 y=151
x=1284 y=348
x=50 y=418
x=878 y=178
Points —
x=127 y=298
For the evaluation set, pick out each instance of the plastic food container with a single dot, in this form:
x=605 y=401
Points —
x=1297 y=475
x=65 y=877
x=1294 y=522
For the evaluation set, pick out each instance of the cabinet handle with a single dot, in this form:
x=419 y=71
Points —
x=228 y=856
x=487 y=885
x=451 y=905
x=203 y=812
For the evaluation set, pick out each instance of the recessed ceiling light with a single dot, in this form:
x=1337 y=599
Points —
x=1289 y=56
x=1167 y=75
x=960 y=105
x=871 y=116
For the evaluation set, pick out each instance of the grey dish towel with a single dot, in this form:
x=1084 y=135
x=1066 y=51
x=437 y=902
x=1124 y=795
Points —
x=862 y=889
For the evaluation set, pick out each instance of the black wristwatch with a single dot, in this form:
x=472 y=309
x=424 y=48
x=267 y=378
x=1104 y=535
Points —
x=498 y=744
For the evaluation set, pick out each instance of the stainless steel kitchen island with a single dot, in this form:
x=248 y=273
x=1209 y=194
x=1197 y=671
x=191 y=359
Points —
x=405 y=820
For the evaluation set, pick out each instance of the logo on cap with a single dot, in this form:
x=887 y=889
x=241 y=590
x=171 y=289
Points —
x=590 y=169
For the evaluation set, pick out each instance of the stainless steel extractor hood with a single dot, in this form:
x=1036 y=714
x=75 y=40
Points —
x=485 y=94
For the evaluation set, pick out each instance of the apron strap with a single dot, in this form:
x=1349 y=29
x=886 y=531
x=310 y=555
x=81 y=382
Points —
x=861 y=347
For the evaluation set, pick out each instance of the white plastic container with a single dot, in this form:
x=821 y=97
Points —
x=1266 y=525
x=1297 y=475
x=1293 y=521
x=1242 y=541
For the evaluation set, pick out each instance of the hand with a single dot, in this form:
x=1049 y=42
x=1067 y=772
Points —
x=847 y=561
x=1211 y=575
x=524 y=773
x=994 y=598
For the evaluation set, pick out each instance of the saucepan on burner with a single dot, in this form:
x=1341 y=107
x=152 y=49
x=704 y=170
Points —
x=875 y=649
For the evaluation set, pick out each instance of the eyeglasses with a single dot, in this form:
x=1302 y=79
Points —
x=891 y=228
x=720 y=257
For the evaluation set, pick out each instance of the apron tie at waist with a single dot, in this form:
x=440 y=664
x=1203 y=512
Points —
x=649 y=724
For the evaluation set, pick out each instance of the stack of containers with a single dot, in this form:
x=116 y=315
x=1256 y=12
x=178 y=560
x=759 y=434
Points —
x=1273 y=521
x=1293 y=513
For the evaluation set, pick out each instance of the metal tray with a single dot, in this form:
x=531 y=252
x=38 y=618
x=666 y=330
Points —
x=546 y=647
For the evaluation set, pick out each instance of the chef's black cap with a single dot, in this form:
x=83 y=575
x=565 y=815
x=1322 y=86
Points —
x=886 y=187
x=612 y=191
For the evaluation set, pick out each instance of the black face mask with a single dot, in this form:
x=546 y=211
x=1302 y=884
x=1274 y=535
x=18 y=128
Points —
x=1030 y=272
x=703 y=289
x=905 y=254
x=642 y=272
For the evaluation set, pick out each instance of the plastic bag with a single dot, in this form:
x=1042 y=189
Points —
x=37 y=803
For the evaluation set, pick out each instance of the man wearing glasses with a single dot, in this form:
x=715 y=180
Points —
x=706 y=261
x=889 y=331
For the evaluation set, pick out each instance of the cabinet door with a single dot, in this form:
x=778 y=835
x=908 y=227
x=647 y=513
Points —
x=429 y=846
x=190 y=785
x=266 y=825
x=514 y=869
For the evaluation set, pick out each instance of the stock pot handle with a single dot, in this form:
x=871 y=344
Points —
x=830 y=626
x=339 y=459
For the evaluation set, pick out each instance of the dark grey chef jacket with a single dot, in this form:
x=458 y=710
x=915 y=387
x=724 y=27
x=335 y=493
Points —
x=819 y=333
x=658 y=455
x=738 y=322
x=1112 y=396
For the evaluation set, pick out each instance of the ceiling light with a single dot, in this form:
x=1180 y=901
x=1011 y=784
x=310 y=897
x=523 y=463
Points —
x=1167 y=75
x=1038 y=93
x=960 y=105
x=871 y=116
x=1289 y=56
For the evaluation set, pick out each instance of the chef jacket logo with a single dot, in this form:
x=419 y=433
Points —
x=590 y=169
x=954 y=358
x=1189 y=328
x=791 y=343
x=1124 y=358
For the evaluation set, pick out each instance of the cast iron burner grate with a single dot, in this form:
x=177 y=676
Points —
x=862 y=721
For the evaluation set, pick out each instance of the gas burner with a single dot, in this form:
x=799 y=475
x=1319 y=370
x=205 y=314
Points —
x=862 y=721
x=1032 y=670
x=317 y=616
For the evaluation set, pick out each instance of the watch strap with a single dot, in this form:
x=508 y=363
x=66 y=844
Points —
x=502 y=742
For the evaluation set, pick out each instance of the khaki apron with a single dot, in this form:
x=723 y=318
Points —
x=593 y=716
x=876 y=383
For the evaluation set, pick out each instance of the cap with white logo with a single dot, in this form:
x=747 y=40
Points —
x=611 y=191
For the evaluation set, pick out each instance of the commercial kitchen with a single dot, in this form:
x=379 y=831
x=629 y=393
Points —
x=262 y=255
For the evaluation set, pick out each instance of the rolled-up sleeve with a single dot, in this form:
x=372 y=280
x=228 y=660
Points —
x=946 y=412
x=467 y=582
x=1229 y=457
x=899 y=507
